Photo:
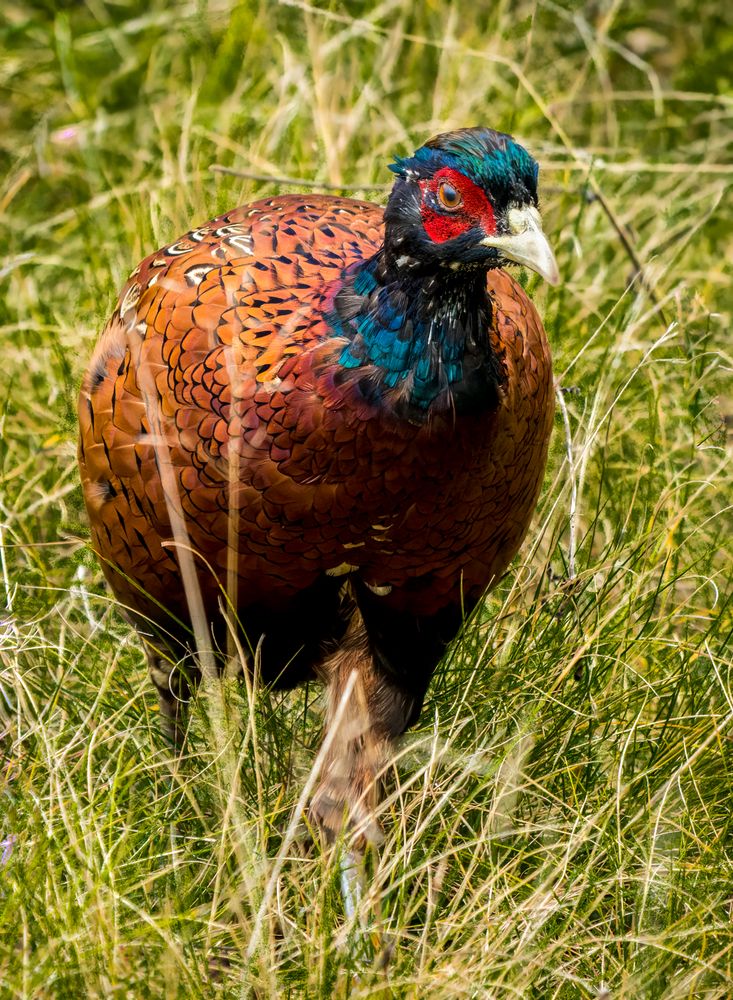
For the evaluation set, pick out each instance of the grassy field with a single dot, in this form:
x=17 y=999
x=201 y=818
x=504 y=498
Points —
x=560 y=824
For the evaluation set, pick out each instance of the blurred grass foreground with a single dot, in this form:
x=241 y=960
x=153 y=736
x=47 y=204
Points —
x=560 y=823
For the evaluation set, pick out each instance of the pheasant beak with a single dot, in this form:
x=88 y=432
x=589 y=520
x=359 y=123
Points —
x=526 y=244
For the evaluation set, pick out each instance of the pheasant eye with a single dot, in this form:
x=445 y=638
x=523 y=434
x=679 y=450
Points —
x=448 y=196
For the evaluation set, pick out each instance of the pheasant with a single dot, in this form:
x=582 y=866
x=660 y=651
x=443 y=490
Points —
x=331 y=419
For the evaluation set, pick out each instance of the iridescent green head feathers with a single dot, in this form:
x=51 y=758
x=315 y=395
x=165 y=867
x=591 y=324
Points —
x=492 y=160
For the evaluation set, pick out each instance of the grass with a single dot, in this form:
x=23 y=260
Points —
x=559 y=824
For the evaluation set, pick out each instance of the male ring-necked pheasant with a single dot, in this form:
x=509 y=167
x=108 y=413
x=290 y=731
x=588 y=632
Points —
x=346 y=410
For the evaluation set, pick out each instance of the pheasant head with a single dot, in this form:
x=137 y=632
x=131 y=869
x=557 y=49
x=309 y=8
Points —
x=416 y=315
x=467 y=199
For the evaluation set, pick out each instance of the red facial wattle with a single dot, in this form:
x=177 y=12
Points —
x=475 y=208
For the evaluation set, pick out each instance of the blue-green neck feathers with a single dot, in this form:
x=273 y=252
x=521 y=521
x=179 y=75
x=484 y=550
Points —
x=420 y=341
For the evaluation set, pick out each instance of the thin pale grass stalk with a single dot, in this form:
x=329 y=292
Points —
x=233 y=519
x=244 y=844
x=295 y=181
x=297 y=812
x=9 y=592
x=573 y=510
x=184 y=553
x=249 y=754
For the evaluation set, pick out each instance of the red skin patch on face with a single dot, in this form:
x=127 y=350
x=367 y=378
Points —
x=475 y=209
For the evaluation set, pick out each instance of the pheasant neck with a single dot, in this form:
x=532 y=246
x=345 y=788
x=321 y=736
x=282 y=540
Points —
x=422 y=338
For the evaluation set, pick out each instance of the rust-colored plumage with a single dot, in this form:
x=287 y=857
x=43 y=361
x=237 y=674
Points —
x=351 y=471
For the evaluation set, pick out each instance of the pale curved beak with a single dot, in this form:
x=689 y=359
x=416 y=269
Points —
x=525 y=243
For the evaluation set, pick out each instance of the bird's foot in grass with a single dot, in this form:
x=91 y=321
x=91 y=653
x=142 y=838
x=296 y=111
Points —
x=174 y=691
x=345 y=800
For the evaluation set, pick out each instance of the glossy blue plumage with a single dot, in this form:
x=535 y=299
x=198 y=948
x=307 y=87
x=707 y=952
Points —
x=418 y=333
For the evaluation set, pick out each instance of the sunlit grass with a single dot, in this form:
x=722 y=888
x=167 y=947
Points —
x=559 y=824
